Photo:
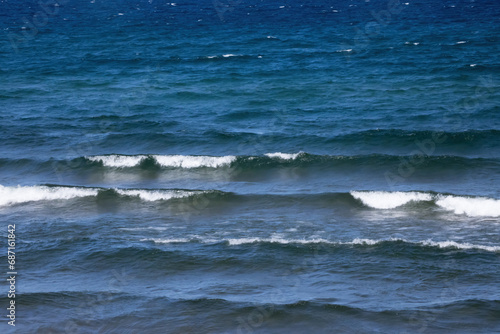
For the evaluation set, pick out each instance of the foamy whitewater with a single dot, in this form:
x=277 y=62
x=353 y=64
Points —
x=284 y=156
x=389 y=200
x=15 y=195
x=155 y=195
x=250 y=166
x=459 y=205
x=178 y=161
x=354 y=242
x=470 y=206
x=474 y=207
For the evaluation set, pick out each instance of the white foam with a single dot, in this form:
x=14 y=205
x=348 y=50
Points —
x=229 y=55
x=184 y=161
x=154 y=195
x=370 y=242
x=117 y=160
x=14 y=195
x=439 y=244
x=284 y=156
x=448 y=244
x=388 y=200
x=357 y=241
x=470 y=206
x=279 y=240
x=461 y=42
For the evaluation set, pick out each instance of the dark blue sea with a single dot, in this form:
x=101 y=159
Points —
x=250 y=166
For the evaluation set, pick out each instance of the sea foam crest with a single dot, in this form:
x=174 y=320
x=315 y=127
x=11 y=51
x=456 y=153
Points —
x=14 y=195
x=283 y=156
x=431 y=243
x=180 y=161
x=154 y=195
x=453 y=244
x=460 y=205
x=192 y=161
x=354 y=242
x=241 y=241
x=470 y=206
x=389 y=200
x=117 y=160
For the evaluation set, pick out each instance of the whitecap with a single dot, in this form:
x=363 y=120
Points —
x=167 y=241
x=283 y=156
x=458 y=245
x=389 y=200
x=470 y=206
x=354 y=242
x=279 y=240
x=14 y=195
x=190 y=161
x=117 y=160
x=180 y=161
x=154 y=195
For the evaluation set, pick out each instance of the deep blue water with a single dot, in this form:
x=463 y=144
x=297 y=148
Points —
x=251 y=166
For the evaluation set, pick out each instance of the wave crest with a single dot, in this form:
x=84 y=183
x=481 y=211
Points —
x=466 y=205
x=155 y=195
x=184 y=161
x=355 y=242
x=19 y=194
x=389 y=200
x=179 y=161
x=284 y=156
x=470 y=206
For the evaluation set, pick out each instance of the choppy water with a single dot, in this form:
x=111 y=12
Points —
x=252 y=166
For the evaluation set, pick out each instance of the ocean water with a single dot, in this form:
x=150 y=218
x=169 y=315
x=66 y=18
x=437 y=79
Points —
x=251 y=166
